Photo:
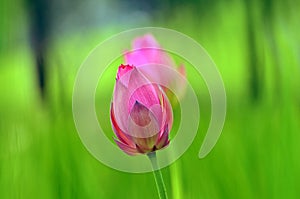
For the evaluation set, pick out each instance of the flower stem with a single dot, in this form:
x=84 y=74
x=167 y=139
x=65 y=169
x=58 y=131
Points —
x=160 y=185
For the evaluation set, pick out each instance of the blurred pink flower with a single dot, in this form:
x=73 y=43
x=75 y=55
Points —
x=141 y=114
x=147 y=51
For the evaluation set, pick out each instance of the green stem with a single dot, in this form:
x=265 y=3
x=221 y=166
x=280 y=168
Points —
x=160 y=185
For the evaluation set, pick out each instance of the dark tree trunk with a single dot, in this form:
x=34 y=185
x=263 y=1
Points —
x=39 y=13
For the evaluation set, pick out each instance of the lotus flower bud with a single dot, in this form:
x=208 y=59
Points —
x=147 y=51
x=141 y=114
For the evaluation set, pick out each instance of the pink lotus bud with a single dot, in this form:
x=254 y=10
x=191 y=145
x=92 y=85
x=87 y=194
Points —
x=141 y=114
x=147 y=51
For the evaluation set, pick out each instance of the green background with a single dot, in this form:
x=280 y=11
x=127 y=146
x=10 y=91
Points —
x=256 y=46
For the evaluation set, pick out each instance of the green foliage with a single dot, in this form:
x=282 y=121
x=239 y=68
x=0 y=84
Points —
x=257 y=156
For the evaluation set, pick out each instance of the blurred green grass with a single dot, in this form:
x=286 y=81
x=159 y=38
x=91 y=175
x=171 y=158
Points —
x=257 y=155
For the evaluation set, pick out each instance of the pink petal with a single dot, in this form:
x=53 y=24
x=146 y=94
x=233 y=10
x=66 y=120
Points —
x=167 y=118
x=123 y=74
x=120 y=109
x=140 y=89
x=145 y=41
x=127 y=149
x=123 y=69
x=143 y=124
x=146 y=50
x=163 y=140
x=119 y=133
x=170 y=79
x=140 y=114
x=158 y=114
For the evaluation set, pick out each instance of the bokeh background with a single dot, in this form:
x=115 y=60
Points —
x=256 y=46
